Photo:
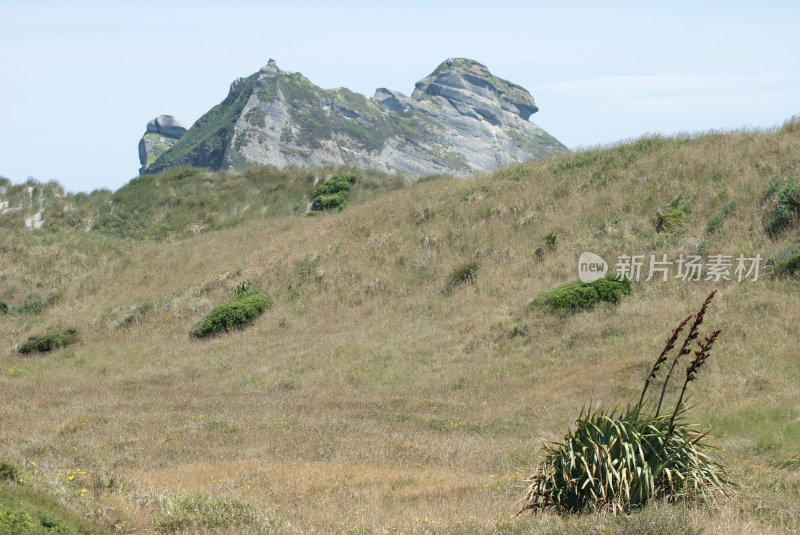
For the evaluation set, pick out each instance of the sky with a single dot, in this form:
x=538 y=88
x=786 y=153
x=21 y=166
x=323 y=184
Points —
x=80 y=80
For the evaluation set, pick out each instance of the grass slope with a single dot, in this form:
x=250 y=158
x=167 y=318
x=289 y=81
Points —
x=375 y=396
x=181 y=201
x=25 y=511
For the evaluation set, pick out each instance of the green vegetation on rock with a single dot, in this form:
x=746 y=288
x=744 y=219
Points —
x=256 y=117
x=213 y=131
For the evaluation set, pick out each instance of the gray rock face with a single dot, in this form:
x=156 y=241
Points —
x=459 y=120
x=167 y=126
x=469 y=87
x=161 y=134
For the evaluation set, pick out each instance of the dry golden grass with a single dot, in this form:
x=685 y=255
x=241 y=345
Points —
x=367 y=399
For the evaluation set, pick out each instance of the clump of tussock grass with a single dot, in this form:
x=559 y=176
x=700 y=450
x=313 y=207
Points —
x=133 y=314
x=618 y=459
x=48 y=342
x=242 y=310
x=785 y=262
x=584 y=296
x=194 y=512
x=464 y=274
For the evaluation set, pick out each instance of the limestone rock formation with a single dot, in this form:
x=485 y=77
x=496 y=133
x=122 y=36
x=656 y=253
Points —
x=161 y=134
x=459 y=120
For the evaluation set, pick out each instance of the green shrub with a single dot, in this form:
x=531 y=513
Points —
x=623 y=458
x=785 y=210
x=714 y=223
x=333 y=194
x=670 y=219
x=771 y=187
x=581 y=295
x=461 y=275
x=729 y=207
x=235 y=314
x=3 y=307
x=48 y=342
x=8 y=471
x=15 y=522
x=551 y=239
x=32 y=305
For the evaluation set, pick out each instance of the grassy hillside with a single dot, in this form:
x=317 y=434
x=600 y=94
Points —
x=179 y=202
x=402 y=382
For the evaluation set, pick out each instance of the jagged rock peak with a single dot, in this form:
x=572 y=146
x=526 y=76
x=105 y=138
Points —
x=464 y=81
x=166 y=125
x=270 y=68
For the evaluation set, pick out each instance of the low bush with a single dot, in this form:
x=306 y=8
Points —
x=8 y=471
x=48 y=342
x=3 y=307
x=623 y=458
x=15 y=522
x=715 y=223
x=32 y=305
x=333 y=194
x=784 y=210
x=461 y=275
x=234 y=314
x=670 y=219
x=580 y=295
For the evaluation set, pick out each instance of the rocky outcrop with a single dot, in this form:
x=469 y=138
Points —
x=459 y=120
x=161 y=134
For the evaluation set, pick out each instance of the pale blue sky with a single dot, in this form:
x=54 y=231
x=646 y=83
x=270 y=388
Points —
x=80 y=80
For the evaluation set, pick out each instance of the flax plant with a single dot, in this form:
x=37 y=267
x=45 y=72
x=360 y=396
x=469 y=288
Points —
x=618 y=459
